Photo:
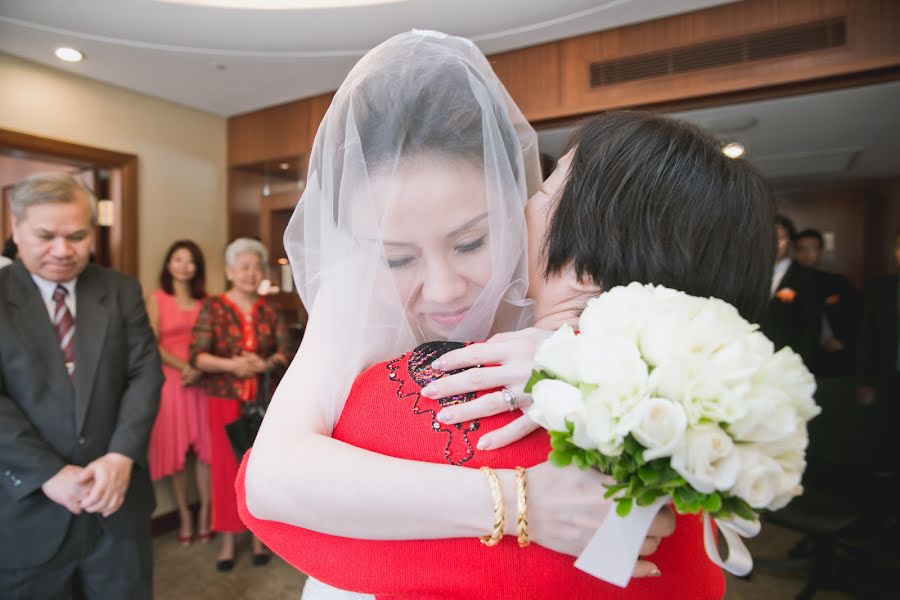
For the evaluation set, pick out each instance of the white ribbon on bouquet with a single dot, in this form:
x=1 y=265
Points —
x=613 y=551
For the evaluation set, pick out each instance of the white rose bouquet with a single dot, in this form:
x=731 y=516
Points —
x=676 y=397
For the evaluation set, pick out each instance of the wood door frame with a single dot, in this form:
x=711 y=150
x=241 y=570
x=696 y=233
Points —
x=124 y=232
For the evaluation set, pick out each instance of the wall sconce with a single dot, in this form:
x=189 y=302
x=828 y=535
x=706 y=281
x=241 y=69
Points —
x=106 y=213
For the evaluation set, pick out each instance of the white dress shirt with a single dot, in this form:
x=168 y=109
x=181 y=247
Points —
x=781 y=268
x=48 y=287
x=4 y=262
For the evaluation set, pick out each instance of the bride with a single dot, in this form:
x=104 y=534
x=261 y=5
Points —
x=411 y=230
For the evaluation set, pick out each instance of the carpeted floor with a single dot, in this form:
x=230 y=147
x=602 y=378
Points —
x=189 y=574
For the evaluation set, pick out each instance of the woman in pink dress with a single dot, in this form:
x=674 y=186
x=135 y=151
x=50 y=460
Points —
x=182 y=423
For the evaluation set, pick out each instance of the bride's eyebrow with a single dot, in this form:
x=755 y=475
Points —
x=468 y=225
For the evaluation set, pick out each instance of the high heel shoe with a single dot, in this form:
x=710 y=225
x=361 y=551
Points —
x=223 y=566
x=186 y=540
x=205 y=536
x=261 y=559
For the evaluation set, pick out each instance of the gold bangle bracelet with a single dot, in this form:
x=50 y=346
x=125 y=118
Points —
x=499 y=509
x=522 y=507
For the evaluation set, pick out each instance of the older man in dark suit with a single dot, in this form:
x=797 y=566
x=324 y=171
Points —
x=79 y=390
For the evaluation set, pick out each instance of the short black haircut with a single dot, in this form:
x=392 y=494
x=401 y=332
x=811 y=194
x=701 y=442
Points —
x=10 y=250
x=653 y=200
x=811 y=233
x=788 y=226
x=198 y=283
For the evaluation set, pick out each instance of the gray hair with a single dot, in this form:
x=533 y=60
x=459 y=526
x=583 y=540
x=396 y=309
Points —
x=49 y=188
x=243 y=245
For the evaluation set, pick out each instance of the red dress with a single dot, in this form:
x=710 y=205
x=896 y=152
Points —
x=223 y=330
x=386 y=413
x=183 y=419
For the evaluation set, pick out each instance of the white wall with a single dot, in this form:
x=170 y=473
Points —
x=181 y=158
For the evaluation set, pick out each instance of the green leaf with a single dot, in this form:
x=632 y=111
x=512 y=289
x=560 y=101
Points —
x=623 y=507
x=613 y=489
x=649 y=475
x=649 y=496
x=535 y=377
x=712 y=503
x=560 y=459
x=740 y=508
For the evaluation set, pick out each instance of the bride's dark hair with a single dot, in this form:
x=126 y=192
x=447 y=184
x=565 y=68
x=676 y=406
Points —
x=653 y=200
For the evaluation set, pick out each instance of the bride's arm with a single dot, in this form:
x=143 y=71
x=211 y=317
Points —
x=298 y=474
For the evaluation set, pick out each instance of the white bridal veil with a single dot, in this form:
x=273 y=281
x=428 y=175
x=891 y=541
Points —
x=417 y=97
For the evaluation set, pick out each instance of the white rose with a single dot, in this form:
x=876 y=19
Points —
x=770 y=416
x=608 y=420
x=736 y=360
x=785 y=370
x=790 y=488
x=557 y=354
x=694 y=384
x=760 y=479
x=616 y=312
x=659 y=425
x=717 y=324
x=612 y=362
x=706 y=459
x=555 y=402
x=666 y=334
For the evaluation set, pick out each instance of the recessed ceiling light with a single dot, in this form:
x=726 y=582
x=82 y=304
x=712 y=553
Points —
x=68 y=54
x=284 y=166
x=733 y=150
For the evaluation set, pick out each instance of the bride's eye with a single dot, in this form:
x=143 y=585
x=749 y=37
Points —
x=399 y=263
x=471 y=246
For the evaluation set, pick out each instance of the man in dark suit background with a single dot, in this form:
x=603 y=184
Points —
x=79 y=391
x=878 y=359
x=794 y=317
x=841 y=309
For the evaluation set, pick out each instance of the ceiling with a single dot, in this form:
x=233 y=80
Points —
x=846 y=134
x=229 y=61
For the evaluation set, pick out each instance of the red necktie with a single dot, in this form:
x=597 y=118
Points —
x=65 y=327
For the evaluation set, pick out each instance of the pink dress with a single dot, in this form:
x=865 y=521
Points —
x=183 y=420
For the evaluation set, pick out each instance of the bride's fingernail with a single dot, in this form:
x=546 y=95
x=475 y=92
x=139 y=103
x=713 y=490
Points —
x=483 y=444
x=438 y=364
x=654 y=573
x=429 y=390
x=445 y=416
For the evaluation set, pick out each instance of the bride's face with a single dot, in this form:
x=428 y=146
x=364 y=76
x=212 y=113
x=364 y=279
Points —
x=436 y=240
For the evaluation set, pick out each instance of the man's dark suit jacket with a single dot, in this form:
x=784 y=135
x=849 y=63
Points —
x=48 y=421
x=877 y=356
x=794 y=317
x=842 y=309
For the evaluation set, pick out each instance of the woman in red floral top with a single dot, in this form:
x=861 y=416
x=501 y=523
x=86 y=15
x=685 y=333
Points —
x=238 y=336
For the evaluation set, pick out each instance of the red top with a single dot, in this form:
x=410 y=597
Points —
x=385 y=413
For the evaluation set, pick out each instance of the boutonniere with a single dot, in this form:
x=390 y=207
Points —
x=833 y=299
x=786 y=295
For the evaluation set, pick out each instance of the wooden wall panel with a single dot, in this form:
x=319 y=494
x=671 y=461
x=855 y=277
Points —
x=532 y=77
x=276 y=132
x=873 y=29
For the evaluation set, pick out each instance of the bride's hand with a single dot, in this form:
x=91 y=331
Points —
x=566 y=506
x=513 y=354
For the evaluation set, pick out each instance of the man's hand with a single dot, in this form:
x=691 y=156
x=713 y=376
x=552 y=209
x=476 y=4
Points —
x=67 y=488
x=110 y=474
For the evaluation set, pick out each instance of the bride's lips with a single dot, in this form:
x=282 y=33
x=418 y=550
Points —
x=448 y=319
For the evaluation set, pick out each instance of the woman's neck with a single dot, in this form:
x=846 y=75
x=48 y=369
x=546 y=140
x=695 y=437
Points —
x=240 y=298
x=182 y=291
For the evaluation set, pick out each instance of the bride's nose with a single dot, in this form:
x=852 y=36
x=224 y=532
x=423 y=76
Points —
x=442 y=283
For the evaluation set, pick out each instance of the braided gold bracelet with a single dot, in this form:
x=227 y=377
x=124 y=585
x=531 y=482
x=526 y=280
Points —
x=522 y=508
x=499 y=509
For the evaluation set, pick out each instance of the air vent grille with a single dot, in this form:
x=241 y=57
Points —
x=800 y=39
